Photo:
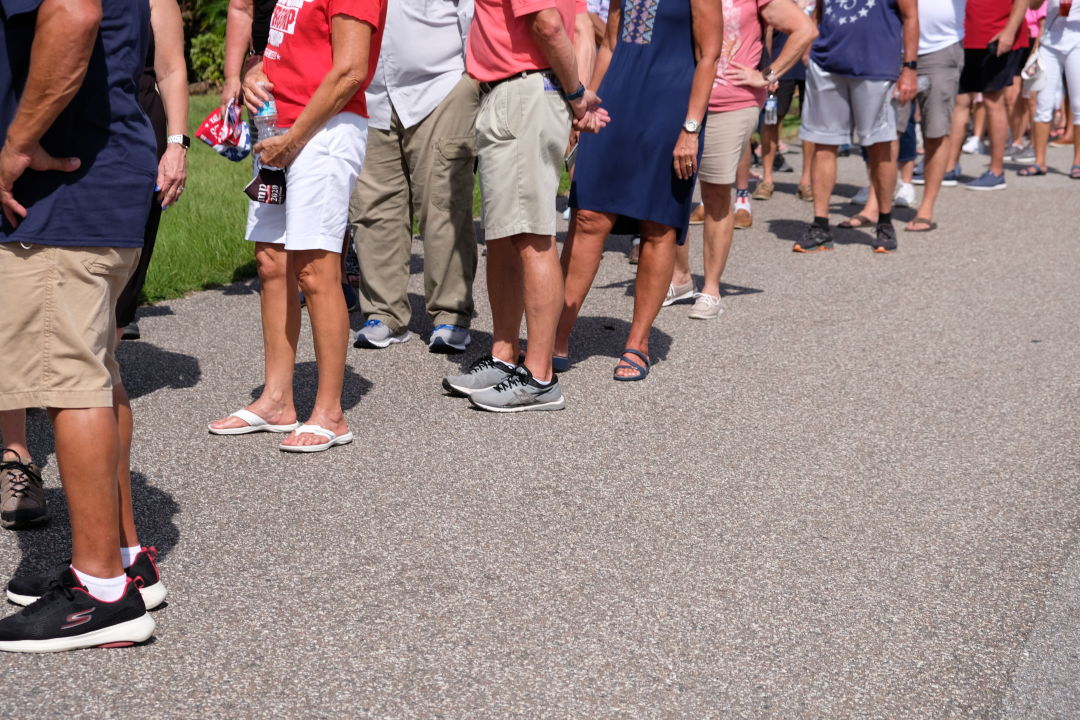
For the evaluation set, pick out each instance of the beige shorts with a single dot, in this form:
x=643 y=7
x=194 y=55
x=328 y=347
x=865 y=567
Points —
x=725 y=136
x=58 y=335
x=521 y=134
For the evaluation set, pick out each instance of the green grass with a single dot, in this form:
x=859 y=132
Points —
x=201 y=240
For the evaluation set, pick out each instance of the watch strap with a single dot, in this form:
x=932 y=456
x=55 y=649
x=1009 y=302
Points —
x=576 y=95
x=179 y=139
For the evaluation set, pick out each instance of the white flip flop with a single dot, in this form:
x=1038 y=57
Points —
x=254 y=424
x=332 y=440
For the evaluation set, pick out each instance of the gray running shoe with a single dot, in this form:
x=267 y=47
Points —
x=22 y=497
x=487 y=372
x=449 y=339
x=376 y=335
x=520 y=392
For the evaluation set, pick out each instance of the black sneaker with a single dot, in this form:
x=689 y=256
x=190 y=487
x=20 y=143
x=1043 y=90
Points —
x=27 y=589
x=885 y=238
x=68 y=617
x=816 y=239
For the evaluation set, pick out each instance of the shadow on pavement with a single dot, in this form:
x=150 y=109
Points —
x=147 y=368
x=44 y=548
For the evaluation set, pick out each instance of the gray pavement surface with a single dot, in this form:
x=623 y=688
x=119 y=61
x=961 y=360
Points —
x=854 y=495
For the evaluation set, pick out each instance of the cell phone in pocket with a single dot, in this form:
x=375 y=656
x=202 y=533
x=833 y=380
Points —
x=992 y=47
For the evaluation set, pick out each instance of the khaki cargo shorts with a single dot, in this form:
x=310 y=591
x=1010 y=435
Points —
x=58 y=330
x=522 y=131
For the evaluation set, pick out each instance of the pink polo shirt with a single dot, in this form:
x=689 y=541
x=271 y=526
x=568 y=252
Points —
x=742 y=44
x=501 y=42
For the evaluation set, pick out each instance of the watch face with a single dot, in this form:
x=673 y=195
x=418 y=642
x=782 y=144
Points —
x=691 y=126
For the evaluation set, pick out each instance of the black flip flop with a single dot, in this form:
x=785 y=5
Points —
x=643 y=372
x=930 y=225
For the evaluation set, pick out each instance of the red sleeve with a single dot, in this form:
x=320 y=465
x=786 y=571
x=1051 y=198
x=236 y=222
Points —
x=521 y=8
x=369 y=11
x=582 y=7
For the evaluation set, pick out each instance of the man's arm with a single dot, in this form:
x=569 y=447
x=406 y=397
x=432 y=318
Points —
x=1007 y=37
x=64 y=37
x=237 y=41
x=908 y=84
x=584 y=47
x=550 y=34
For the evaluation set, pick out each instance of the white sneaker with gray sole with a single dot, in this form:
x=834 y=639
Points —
x=679 y=293
x=706 y=307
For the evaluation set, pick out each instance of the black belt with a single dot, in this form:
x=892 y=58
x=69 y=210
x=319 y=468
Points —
x=486 y=87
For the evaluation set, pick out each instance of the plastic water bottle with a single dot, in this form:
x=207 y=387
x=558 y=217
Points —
x=770 y=109
x=266 y=121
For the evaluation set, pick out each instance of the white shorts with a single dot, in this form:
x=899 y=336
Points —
x=318 y=186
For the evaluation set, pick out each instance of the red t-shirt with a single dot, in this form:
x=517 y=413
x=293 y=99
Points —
x=501 y=42
x=984 y=19
x=299 y=53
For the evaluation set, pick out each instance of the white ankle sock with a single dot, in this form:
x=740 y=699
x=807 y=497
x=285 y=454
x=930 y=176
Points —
x=107 y=589
x=508 y=366
x=127 y=555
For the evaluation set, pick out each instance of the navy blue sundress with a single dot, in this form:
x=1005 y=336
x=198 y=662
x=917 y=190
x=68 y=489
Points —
x=627 y=167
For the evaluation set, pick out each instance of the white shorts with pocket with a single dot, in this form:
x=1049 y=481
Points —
x=317 y=189
x=837 y=106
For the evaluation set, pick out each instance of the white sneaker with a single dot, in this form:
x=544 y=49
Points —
x=706 y=307
x=905 y=195
x=862 y=196
x=974 y=146
x=678 y=293
x=376 y=335
x=566 y=213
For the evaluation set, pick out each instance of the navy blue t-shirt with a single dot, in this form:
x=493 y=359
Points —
x=860 y=38
x=106 y=201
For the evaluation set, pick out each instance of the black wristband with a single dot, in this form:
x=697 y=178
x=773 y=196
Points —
x=912 y=65
x=576 y=95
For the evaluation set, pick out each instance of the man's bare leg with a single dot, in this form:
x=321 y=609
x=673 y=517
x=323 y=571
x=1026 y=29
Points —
x=938 y=151
x=504 y=281
x=88 y=453
x=13 y=432
x=542 y=284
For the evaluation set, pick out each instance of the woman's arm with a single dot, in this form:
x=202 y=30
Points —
x=607 y=49
x=708 y=25
x=351 y=40
x=237 y=42
x=787 y=18
x=171 y=70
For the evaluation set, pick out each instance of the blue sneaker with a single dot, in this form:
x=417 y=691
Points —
x=952 y=178
x=449 y=339
x=918 y=177
x=988 y=181
x=376 y=335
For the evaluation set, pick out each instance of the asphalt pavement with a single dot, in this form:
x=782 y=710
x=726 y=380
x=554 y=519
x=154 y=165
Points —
x=854 y=495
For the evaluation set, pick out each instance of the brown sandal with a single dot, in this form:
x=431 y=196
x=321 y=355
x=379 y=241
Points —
x=930 y=225
x=857 y=221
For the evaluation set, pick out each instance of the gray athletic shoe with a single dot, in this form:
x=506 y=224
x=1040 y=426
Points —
x=487 y=372
x=22 y=497
x=449 y=339
x=376 y=335
x=520 y=392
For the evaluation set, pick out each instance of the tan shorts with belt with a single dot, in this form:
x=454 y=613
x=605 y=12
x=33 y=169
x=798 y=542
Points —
x=521 y=134
x=58 y=332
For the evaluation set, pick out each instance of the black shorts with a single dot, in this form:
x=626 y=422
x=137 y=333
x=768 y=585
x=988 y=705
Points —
x=784 y=95
x=984 y=72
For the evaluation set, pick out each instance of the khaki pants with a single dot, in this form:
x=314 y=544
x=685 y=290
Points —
x=426 y=171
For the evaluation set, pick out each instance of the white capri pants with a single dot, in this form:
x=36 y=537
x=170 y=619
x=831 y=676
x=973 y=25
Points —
x=1056 y=63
